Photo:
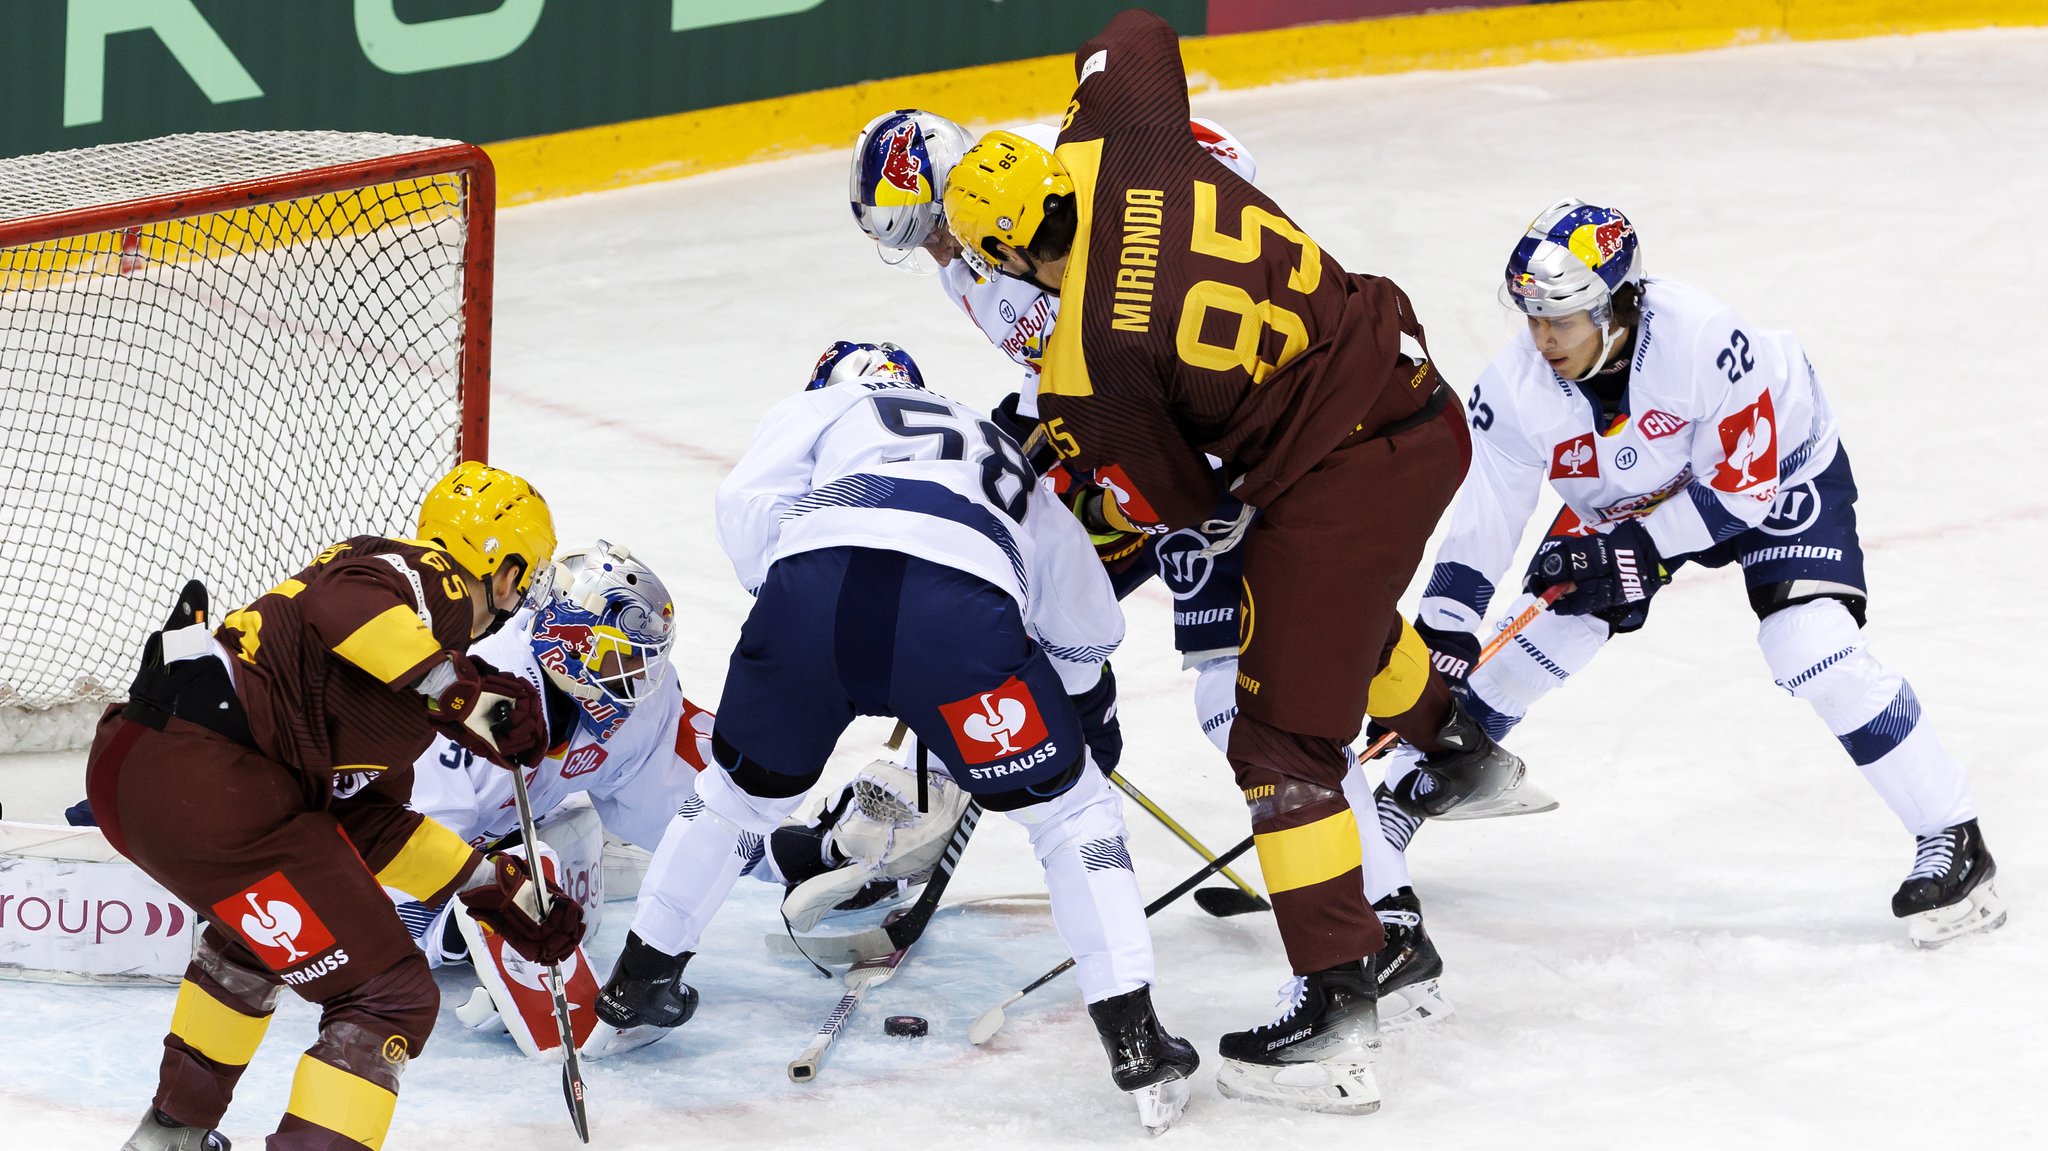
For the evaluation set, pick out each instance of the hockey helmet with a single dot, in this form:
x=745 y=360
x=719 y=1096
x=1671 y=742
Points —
x=1577 y=257
x=998 y=192
x=846 y=360
x=603 y=626
x=900 y=164
x=483 y=517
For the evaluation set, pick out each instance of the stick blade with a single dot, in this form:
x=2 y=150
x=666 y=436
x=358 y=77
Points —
x=985 y=1028
x=572 y=1094
x=1224 y=902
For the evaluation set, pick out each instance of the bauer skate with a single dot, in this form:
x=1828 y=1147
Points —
x=1409 y=969
x=160 y=1132
x=1951 y=891
x=1318 y=1055
x=1144 y=1058
x=1471 y=769
x=644 y=1000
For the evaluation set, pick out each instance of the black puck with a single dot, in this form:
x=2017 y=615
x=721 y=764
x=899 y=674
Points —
x=907 y=1026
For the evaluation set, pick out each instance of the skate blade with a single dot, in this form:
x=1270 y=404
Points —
x=1524 y=798
x=606 y=1041
x=1332 y=1088
x=1981 y=910
x=1416 y=1005
x=1161 y=1104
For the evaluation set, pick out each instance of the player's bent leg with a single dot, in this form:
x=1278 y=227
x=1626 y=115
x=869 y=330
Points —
x=1816 y=651
x=346 y=1086
x=224 y=1007
x=1407 y=967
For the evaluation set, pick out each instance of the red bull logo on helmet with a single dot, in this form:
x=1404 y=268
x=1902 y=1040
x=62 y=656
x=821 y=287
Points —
x=904 y=170
x=1596 y=244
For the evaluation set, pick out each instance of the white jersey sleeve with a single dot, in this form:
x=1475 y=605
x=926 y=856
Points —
x=1494 y=504
x=1073 y=613
x=773 y=474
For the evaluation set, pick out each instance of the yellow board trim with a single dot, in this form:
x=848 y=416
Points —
x=430 y=860
x=1313 y=853
x=348 y=1105
x=389 y=645
x=214 y=1029
x=1399 y=684
x=689 y=143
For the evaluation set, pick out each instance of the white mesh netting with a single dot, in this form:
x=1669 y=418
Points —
x=216 y=396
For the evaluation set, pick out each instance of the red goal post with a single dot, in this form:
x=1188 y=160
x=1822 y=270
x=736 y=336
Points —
x=219 y=353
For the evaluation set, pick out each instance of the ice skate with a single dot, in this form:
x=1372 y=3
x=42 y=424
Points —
x=1951 y=891
x=1144 y=1058
x=643 y=1000
x=1408 y=966
x=1318 y=1055
x=1471 y=768
x=160 y=1132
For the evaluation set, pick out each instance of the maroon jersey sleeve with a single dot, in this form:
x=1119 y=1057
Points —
x=367 y=610
x=1128 y=76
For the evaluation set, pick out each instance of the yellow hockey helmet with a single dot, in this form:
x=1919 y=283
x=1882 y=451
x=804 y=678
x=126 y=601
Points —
x=997 y=192
x=482 y=516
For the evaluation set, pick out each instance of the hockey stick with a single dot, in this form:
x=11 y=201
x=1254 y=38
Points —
x=572 y=1070
x=1221 y=902
x=902 y=929
x=991 y=1020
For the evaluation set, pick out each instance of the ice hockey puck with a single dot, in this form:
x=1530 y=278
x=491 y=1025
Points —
x=907 y=1026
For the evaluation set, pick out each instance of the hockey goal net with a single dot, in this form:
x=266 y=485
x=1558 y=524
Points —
x=218 y=353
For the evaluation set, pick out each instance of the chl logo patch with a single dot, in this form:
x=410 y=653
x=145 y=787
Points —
x=276 y=921
x=1575 y=459
x=994 y=724
x=583 y=760
x=1655 y=425
x=1750 y=440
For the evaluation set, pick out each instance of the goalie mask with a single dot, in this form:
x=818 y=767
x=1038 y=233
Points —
x=602 y=632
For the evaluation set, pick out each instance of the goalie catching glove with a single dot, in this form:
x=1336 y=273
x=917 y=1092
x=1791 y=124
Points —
x=492 y=713
x=507 y=900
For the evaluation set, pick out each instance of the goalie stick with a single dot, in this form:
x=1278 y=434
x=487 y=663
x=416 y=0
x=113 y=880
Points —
x=901 y=929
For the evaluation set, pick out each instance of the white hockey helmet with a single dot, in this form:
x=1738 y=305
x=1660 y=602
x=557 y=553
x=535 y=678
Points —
x=898 y=180
x=603 y=626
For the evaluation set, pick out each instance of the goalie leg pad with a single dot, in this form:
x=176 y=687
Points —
x=1079 y=837
x=520 y=990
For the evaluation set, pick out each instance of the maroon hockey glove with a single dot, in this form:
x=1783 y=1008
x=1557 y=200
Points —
x=510 y=906
x=492 y=713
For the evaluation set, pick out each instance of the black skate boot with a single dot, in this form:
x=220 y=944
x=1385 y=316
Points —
x=160 y=1132
x=1318 y=1054
x=1950 y=890
x=1144 y=1058
x=1471 y=768
x=1408 y=967
x=643 y=1000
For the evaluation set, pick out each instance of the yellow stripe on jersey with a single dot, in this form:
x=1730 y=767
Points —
x=348 y=1105
x=1399 y=684
x=393 y=643
x=214 y=1029
x=1064 y=371
x=432 y=858
x=1311 y=854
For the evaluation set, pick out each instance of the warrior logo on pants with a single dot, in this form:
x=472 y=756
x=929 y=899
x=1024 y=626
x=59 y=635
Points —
x=276 y=921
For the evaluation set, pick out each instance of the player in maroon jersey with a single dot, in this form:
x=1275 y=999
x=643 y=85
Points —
x=217 y=779
x=1196 y=319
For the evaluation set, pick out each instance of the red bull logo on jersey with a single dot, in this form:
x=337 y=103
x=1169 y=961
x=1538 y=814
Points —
x=1598 y=243
x=993 y=725
x=1575 y=459
x=903 y=181
x=276 y=922
x=1750 y=439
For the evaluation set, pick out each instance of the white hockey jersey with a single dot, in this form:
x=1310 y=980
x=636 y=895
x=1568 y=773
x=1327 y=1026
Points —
x=1017 y=316
x=878 y=463
x=636 y=776
x=1718 y=417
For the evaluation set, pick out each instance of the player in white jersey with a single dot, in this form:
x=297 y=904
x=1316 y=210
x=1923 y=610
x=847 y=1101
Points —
x=906 y=562
x=1676 y=432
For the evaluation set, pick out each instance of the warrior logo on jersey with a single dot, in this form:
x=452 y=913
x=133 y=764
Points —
x=993 y=724
x=1656 y=425
x=1750 y=439
x=276 y=921
x=1575 y=459
x=1793 y=510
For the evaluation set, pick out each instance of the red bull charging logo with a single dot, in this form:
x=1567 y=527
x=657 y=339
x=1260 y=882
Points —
x=903 y=171
x=1598 y=243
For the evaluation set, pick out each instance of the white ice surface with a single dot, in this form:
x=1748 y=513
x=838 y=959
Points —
x=1695 y=951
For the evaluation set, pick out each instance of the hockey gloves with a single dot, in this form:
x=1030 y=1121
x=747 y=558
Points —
x=509 y=904
x=492 y=713
x=1452 y=653
x=1099 y=727
x=1613 y=576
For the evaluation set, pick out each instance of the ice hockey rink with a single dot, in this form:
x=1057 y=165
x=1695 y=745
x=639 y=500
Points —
x=1695 y=951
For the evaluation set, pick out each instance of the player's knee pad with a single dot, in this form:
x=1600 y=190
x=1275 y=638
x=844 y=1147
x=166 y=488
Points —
x=230 y=974
x=1815 y=651
x=755 y=779
x=1086 y=813
x=1287 y=778
x=1771 y=598
x=375 y=1027
x=1216 y=699
x=730 y=799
